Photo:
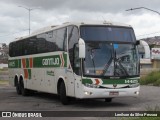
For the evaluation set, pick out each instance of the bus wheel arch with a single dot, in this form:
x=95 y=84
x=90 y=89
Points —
x=61 y=89
x=16 y=80
x=60 y=80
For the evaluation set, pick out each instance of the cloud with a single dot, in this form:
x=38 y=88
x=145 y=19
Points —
x=14 y=20
x=104 y=6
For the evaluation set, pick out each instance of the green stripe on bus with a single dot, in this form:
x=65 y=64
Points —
x=48 y=61
x=84 y=81
x=41 y=62
x=29 y=73
x=112 y=81
x=19 y=63
x=65 y=60
x=27 y=62
x=14 y=63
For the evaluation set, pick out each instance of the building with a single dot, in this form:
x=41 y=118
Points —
x=4 y=49
x=144 y=54
x=153 y=44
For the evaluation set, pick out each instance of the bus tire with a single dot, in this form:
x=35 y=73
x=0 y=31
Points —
x=18 y=90
x=62 y=93
x=108 y=99
x=23 y=90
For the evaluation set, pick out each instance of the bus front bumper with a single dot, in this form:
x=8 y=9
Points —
x=109 y=93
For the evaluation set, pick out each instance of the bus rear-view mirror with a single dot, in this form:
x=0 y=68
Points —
x=81 y=44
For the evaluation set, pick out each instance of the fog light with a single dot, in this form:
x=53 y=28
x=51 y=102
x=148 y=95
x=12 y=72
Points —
x=87 y=93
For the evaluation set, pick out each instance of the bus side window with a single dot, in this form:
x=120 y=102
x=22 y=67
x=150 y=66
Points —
x=76 y=60
x=61 y=38
x=32 y=46
x=41 y=45
x=51 y=41
x=73 y=37
x=25 y=46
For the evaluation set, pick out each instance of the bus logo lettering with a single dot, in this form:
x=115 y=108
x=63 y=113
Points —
x=50 y=61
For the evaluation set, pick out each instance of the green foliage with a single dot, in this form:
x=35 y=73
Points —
x=152 y=78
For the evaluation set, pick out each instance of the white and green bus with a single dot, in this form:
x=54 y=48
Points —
x=80 y=60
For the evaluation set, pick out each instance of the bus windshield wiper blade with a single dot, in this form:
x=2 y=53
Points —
x=107 y=65
x=121 y=67
x=92 y=58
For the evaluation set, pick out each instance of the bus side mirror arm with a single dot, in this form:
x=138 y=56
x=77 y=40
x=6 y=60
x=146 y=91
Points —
x=82 y=48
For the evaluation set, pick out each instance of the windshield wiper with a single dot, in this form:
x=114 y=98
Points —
x=121 y=67
x=107 y=66
x=92 y=58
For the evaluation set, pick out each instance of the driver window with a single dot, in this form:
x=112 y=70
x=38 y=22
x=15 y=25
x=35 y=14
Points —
x=73 y=37
x=76 y=60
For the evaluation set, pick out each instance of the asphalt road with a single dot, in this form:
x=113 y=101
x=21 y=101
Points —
x=149 y=99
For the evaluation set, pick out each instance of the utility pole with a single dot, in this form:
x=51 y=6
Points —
x=143 y=8
x=29 y=10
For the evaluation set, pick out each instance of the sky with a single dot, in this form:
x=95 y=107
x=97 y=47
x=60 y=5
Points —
x=14 y=20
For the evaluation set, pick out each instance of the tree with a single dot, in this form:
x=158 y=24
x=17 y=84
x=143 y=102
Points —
x=4 y=50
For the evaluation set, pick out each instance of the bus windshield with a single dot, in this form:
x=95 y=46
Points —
x=108 y=55
x=104 y=33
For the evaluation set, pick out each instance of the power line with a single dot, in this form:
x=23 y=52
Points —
x=148 y=34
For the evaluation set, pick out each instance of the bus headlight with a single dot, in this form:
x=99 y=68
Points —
x=137 y=92
x=87 y=93
x=92 y=85
x=134 y=85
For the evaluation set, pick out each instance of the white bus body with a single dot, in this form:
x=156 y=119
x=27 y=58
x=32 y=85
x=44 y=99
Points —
x=53 y=61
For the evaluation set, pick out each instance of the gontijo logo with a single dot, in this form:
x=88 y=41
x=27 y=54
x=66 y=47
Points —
x=55 y=61
x=50 y=61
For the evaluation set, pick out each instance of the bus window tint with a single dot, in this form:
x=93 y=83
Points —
x=46 y=42
x=61 y=37
x=103 y=33
x=72 y=40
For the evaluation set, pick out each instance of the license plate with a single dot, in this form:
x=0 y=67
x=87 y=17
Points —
x=115 y=93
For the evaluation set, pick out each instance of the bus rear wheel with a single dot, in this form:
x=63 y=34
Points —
x=16 y=84
x=22 y=89
x=62 y=93
x=18 y=90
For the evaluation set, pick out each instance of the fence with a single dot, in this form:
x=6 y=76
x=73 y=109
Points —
x=4 y=75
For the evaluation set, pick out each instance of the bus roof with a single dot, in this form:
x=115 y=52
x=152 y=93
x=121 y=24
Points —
x=53 y=27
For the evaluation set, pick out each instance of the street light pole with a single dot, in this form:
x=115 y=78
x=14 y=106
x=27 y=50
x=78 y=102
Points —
x=143 y=8
x=29 y=10
x=29 y=21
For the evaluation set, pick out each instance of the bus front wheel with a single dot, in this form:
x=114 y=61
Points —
x=62 y=93
x=108 y=99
